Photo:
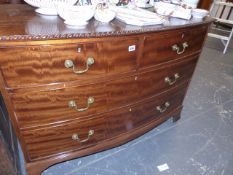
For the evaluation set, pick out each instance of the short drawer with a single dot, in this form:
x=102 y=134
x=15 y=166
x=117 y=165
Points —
x=153 y=82
x=44 y=64
x=76 y=135
x=135 y=116
x=37 y=108
x=167 y=46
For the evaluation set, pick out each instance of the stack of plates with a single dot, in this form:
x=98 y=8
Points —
x=173 y=10
x=137 y=16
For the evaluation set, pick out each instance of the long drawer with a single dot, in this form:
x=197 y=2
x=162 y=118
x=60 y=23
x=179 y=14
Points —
x=43 y=64
x=80 y=134
x=37 y=108
x=167 y=46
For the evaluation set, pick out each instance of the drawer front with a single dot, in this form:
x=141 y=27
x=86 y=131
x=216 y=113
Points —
x=37 y=108
x=151 y=83
x=63 y=138
x=163 y=47
x=44 y=64
x=129 y=118
x=47 y=107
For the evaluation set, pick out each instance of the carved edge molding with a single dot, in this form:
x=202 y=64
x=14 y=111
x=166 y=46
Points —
x=96 y=34
x=74 y=35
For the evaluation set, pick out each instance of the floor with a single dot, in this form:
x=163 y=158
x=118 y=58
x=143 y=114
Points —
x=200 y=143
x=6 y=166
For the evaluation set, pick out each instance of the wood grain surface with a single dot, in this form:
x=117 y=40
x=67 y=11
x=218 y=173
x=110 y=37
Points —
x=44 y=64
x=49 y=107
x=58 y=139
x=140 y=114
x=161 y=49
x=38 y=108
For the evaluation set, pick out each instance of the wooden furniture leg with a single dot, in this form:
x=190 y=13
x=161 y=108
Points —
x=176 y=117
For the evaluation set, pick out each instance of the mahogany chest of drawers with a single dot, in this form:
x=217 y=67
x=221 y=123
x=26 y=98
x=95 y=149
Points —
x=74 y=92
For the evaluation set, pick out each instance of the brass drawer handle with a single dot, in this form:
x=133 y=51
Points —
x=176 y=48
x=76 y=137
x=170 y=81
x=70 y=64
x=72 y=104
x=163 y=109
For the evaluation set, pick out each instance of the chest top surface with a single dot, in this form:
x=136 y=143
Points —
x=21 y=22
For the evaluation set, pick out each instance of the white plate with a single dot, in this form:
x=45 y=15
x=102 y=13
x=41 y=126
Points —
x=176 y=2
x=75 y=23
x=141 y=5
x=95 y=2
x=136 y=22
x=156 y=19
x=47 y=11
x=200 y=12
x=135 y=12
x=48 y=17
x=198 y=17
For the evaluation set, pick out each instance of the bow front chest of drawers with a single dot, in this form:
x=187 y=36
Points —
x=71 y=92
